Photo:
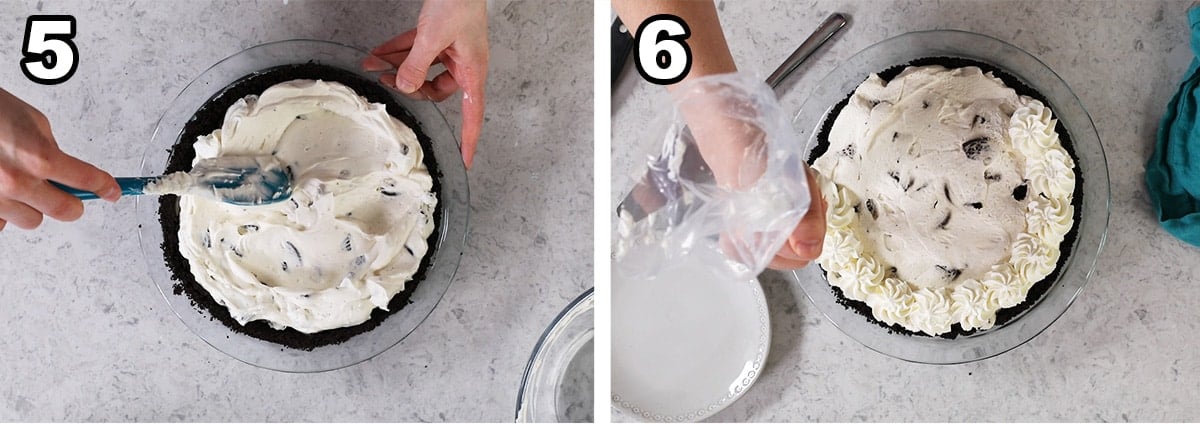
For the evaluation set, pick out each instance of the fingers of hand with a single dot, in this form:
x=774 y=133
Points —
x=783 y=264
x=809 y=235
x=402 y=42
x=40 y=161
x=412 y=53
x=29 y=187
x=410 y=74
x=472 y=110
x=19 y=214
x=389 y=79
x=67 y=169
x=807 y=239
x=376 y=64
x=19 y=187
x=389 y=61
x=797 y=250
x=441 y=88
x=800 y=247
x=55 y=203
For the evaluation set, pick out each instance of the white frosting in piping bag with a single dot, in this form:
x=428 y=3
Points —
x=949 y=196
x=351 y=236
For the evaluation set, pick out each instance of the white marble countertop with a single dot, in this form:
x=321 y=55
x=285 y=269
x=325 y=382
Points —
x=1125 y=351
x=85 y=334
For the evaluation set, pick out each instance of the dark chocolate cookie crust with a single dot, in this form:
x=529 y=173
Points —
x=1040 y=288
x=209 y=118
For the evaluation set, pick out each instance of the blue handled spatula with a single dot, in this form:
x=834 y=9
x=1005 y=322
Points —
x=238 y=180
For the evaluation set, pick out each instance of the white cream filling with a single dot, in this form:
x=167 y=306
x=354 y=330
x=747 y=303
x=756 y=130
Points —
x=904 y=146
x=210 y=178
x=354 y=231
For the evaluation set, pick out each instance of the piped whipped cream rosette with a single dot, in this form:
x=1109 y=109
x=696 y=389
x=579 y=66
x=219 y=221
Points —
x=949 y=197
x=354 y=231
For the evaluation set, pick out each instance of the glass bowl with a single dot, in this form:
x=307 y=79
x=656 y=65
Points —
x=445 y=251
x=558 y=382
x=1093 y=215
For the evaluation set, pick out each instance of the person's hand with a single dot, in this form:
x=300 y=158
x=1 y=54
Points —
x=805 y=243
x=734 y=149
x=450 y=32
x=730 y=149
x=29 y=157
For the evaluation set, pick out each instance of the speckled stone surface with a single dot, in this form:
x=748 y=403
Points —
x=1125 y=351
x=86 y=335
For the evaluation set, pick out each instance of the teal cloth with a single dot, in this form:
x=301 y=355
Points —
x=1173 y=172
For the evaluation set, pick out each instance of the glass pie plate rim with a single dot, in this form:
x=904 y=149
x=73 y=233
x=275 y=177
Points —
x=1093 y=214
x=568 y=333
x=447 y=249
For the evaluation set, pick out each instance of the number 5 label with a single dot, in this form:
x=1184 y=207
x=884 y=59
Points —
x=661 y=55
x=50 y=55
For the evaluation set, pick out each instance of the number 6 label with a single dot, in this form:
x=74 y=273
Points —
x=661 y=55
x=50 y=55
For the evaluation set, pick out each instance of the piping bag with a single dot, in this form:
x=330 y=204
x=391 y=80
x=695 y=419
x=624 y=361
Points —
x=723 y=191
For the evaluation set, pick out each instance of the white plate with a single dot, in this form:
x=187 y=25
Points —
x=686 y=347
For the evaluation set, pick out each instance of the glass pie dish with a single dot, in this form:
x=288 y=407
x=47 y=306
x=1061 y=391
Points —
x=1092 y=216
x=557 y=385
x=446 y=246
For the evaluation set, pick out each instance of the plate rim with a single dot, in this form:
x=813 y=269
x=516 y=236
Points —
x=626 y=408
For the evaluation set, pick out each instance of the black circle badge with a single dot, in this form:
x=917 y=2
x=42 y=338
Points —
x=50 y=55
x=660 y=52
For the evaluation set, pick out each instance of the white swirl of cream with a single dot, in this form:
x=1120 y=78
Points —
x=1031 y=259
x=1051 y=173
x=1032 y=128
x=1003 y=289
x=866 y=274
x=848 y=282
x=868 y=270
x=891 y=301
x=840 y=248
x=869 y=277
x=970 y=307
x=1049 y=219
x=844 y=198
x=931 y=311
x=843 y=217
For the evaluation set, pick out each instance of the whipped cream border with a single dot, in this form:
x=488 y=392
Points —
x=972 y=303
